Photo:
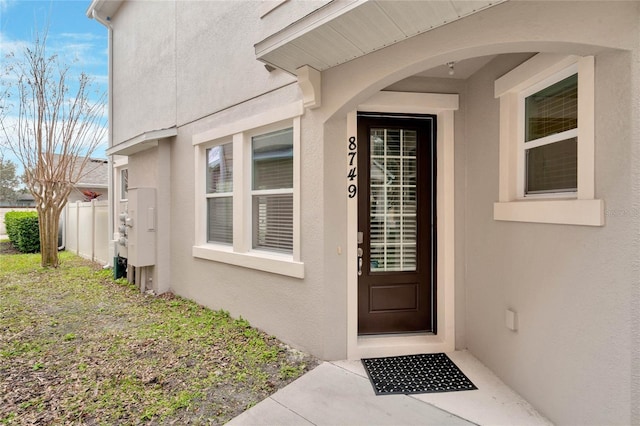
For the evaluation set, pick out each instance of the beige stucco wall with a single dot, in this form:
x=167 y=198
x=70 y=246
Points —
x=214 y=53
x=284 y=306
x=283 y=15
x=176 y=66
x=635 y=250
x=173 y=68
x=571 y=286
x=144 y=64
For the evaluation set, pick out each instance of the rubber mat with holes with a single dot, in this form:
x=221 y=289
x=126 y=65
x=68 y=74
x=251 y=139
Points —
x=407 y=374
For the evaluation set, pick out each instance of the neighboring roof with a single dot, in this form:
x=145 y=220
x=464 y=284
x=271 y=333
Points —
x=348 y=29
x=95 y=174
x=25 y=196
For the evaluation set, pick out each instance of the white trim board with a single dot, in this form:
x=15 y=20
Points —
x=443 y=106
x=582 y=208
x=274 y=115
x=239 y=133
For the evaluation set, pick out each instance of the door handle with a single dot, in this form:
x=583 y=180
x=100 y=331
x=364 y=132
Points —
x=359 y=261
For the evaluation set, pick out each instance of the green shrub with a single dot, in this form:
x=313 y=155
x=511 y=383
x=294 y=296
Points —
x=23 y=231
x=11 y=219
x=29 y=234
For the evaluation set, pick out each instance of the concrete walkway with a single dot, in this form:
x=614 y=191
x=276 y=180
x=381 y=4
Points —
x=339 y=393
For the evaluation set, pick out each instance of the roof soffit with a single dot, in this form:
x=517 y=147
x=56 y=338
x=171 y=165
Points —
x=344 y=30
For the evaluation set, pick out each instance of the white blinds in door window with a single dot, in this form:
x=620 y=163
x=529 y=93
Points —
x=272 y=191
x=393 y=221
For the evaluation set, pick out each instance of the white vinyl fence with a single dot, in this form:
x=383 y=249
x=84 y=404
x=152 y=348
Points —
x=86 y=230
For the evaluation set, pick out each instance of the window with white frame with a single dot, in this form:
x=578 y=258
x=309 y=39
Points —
x=547 y=164
x=124 y=184
x=219 y=193
x=550 y=137
x=272 y=190
x=246 y=178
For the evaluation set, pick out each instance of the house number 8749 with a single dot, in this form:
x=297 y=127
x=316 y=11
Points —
x=352 y=188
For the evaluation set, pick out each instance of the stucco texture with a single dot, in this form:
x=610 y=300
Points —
x=574 y=288
x=144 y=69
x=569 y=285
x=283 y=306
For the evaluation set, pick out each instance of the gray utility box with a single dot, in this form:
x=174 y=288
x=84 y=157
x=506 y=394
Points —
x=141 y=224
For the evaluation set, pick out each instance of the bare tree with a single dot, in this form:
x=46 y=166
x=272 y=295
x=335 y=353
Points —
x=52 y=127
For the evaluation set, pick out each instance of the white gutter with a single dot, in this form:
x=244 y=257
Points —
x=110 y=179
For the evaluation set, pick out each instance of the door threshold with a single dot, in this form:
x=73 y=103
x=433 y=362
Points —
x=403 y=334
x=382 y=345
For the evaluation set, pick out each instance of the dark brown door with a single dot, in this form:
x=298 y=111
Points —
x=396 y=218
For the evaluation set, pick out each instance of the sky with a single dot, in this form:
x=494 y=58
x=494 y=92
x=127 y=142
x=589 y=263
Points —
x=79 y=41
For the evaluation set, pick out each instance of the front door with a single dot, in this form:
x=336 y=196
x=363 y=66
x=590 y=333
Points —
x=396 y=223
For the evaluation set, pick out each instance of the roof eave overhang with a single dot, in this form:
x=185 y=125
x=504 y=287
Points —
x=142 y=142
x=348 y=29
x=103 y=8
x=309 y=23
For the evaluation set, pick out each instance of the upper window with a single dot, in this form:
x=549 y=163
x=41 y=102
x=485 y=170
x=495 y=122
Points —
x=547 y=164
x=247 y=196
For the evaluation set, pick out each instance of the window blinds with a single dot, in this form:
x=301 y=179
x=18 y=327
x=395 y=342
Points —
x=220 y=194
x=272 y=192
x=552 y=166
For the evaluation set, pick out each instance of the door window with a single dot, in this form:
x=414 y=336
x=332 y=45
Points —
x=393 y=229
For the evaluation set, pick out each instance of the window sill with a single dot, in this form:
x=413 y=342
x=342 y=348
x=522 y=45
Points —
x=269 y=262
x=566 y=212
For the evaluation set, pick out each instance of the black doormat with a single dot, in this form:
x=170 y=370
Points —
x=424 y=373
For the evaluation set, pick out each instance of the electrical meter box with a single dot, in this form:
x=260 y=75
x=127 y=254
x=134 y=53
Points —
x=141 y=226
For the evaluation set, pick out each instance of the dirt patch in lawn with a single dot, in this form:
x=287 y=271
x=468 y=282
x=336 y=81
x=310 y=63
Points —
x=78 y=347
x=7 y=248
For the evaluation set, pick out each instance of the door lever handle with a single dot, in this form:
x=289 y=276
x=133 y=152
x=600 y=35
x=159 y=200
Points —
x=359 y=261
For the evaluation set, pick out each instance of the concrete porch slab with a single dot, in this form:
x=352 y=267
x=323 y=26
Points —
x=493 y=403
x=339 y=392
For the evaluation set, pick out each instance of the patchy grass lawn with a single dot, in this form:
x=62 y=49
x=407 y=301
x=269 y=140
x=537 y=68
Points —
x=78 y=348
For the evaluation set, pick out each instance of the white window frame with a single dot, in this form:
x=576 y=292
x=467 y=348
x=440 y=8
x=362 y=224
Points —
x=242 y=253
x=210 y=195
x=257 y=192
x=121 y=186
x=523 y=145
x=575 y=208
x=119 y=163
x=444 y=107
